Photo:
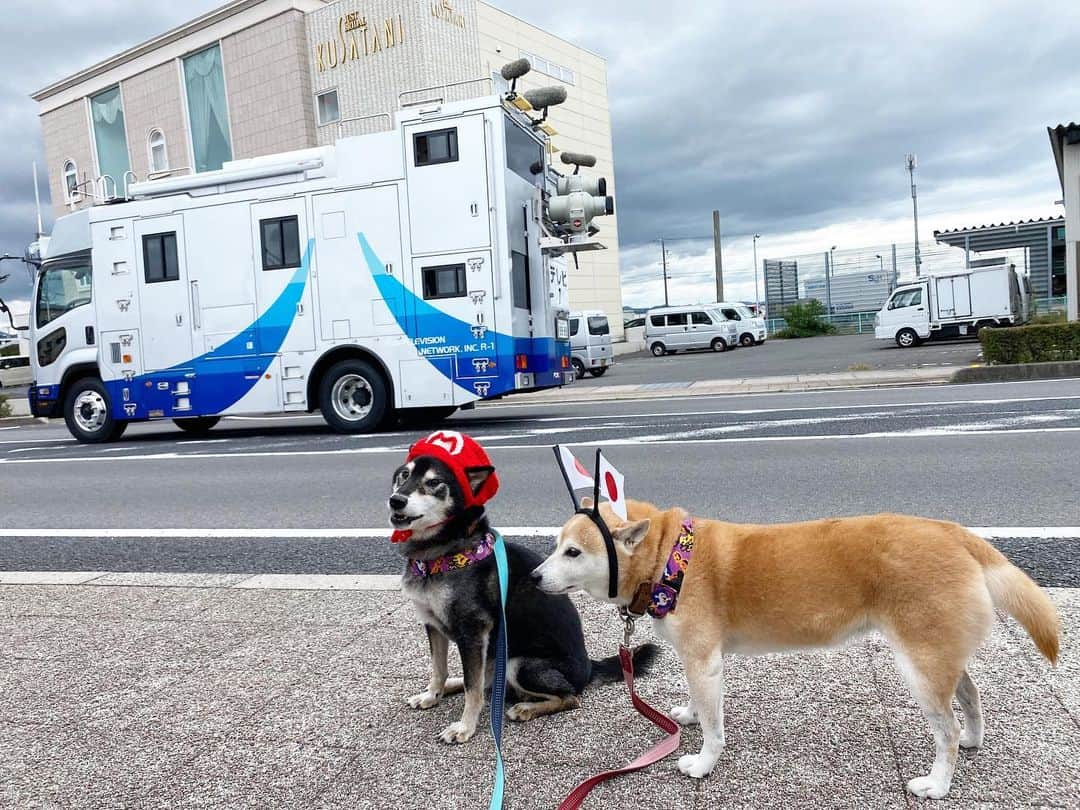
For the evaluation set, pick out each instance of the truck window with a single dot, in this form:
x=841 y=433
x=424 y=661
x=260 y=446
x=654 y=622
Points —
x=446 y=281
x=432 y=148
x=731 y=314
x=159 y=258
x=524 y=155
x=575 y=324
x=598 y=326
x=906 y=298
x=676 y=319
x=62 y=289
x=656 y=320
x=280 y=243
x=701 y=318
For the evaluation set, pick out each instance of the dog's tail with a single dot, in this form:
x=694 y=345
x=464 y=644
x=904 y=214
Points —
x=609 y=670
x=1014 y=592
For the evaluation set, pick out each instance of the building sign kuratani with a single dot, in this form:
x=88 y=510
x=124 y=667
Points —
x=356 y=39
x=444 y=10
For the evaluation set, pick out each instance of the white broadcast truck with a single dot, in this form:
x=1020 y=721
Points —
x=953 y=304
x=402 y=274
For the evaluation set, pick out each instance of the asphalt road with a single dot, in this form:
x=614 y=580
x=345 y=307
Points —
x=785 y=357
x=984 y=455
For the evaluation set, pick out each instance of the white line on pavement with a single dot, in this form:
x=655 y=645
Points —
x=290 y=582
x=989 y=532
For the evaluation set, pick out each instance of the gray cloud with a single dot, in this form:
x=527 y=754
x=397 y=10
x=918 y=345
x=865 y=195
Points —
x=786 y=116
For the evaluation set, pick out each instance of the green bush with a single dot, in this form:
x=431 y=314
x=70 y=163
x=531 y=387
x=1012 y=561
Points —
x=1042 y=343
x=804 y=320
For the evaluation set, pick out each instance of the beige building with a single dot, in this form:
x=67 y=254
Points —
x=1065 y=142
x=255 y=77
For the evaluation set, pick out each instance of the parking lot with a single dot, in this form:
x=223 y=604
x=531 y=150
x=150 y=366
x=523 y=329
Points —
x=821 y=355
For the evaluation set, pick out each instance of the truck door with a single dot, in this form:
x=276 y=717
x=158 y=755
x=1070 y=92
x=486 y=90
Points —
x=164 y=305
x=447 y=174
x=283 y=269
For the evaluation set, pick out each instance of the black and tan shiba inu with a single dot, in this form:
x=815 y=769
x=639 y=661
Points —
x=930 y=587
x=437 y=511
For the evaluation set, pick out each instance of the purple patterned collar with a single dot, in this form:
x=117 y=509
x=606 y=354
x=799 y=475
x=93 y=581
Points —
x=451 y=562
x=665 y=593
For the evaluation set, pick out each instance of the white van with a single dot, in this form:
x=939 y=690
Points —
x=675 y=329
x=751 y=327
x=590 y=343
x=15 y=372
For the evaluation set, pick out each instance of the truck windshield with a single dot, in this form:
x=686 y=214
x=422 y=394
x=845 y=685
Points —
x=598 y=326
x=62 y=288
x=744 y=313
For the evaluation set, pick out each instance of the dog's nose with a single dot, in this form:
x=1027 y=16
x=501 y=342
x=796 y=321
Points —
x=398 y=502
x=536 y=577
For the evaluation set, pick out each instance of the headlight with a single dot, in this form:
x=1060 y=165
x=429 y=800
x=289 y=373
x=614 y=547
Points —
x=562 y=329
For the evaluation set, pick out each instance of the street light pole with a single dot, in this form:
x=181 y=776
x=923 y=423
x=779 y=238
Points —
x=912 y=164
x=757 y=292
x=663 y=259
x=828 y=279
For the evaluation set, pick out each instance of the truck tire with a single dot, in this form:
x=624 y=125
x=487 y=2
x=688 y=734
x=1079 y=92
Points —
x=88 y=412
x=658 y=349
x=197 y=425
x=598 y=372
x=747 y=339
x=907 y=339
x=353 y=397
x=718 y=345
x=579 y=368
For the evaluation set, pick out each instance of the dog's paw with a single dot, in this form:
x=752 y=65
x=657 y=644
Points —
x=521 y=712
x=684 y=715
x=927 y=787
x=457 y=733
x=697 y=766
x=970 y=740
x=425 y=700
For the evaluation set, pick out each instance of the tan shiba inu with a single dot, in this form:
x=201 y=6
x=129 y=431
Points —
x=930 y=587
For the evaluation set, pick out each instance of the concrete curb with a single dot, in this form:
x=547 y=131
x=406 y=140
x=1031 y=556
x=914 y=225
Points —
x=1019 y=371
x=745 y=385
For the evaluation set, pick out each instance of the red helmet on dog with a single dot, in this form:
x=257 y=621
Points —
x=461 y=454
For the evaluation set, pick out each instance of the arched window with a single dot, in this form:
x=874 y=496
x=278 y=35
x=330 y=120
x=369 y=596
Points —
x=159 y=156
x=71 y=180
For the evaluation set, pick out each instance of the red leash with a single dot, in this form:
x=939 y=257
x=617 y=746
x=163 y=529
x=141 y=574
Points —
x=666 y=746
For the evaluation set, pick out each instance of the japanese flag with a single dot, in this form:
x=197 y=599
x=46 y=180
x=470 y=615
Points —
x=577 y=477
x=611 y=487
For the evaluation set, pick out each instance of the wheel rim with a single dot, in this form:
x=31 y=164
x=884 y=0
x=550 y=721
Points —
x=90 y=411
x=905 y=338
x=658 y=350
x=747 y=340
x=353 y=397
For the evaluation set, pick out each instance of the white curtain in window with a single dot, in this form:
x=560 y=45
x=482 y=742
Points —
x=205 y=81
x=108 y=115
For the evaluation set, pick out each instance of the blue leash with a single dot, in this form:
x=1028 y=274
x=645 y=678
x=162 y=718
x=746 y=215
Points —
x=498 y=686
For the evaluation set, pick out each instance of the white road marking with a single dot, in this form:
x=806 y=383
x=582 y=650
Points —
x=49 y=577
x=322 y=582
x=636 y=441
x=989 y=532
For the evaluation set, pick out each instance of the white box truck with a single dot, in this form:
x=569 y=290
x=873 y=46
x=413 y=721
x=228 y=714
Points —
x=953 y=304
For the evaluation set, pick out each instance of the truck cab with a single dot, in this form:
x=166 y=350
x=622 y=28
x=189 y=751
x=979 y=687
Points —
x=904 y=317
x=590 y=343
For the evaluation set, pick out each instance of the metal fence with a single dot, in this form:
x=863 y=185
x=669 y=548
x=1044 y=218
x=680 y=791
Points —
x=858 y=323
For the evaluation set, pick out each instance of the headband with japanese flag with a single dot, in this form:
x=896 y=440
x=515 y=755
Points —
x=606 y=481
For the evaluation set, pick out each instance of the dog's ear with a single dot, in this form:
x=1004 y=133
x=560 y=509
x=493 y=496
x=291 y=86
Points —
x=632 y=534
x=477 y=476
x=586 y=502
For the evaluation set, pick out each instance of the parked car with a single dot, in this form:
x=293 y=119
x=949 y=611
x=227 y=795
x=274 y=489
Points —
x=953 y=304
x=675 y=329
x=15 y=372
x=751 y=327
x=590 y=343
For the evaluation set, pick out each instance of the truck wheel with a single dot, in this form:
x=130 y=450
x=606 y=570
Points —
x=353 y=397
x=719 y=345
x=88 y=413
x=579 y=368
x=598 y=372
x=747 y=340
x=197 y=425
x=658 y=349
x=984 y=325
x=907 y=338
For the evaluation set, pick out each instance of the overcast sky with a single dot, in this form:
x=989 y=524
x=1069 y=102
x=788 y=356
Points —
x=791 y=118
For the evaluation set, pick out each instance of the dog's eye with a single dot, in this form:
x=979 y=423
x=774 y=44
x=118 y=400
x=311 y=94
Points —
x=573 y=552
x=434 y=482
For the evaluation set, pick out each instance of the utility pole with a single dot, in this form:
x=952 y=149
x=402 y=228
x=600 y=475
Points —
x=757 y=292
x=912 y=164
x=663 y=259
x=719 y=257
